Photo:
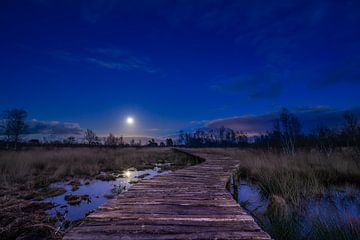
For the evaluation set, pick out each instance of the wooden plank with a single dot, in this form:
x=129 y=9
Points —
x=190 y=203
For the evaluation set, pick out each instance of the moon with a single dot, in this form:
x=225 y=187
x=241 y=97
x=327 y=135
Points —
x=130 y=120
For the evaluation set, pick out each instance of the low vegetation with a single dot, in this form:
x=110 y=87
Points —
x=295 y=176
x=38 y=167
x=25 y=177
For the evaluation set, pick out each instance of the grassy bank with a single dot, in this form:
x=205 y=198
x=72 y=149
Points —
x=288 y=182
x=38 y=167
x=305 y=174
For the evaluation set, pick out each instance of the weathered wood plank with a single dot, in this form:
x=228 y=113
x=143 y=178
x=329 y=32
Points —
x=190 y=203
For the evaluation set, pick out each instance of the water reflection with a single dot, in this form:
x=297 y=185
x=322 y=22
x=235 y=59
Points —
x=127 y=174
x=337 y=207
x=99 y=192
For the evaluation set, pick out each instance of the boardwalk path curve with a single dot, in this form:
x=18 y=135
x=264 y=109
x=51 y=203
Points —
x=190 y=203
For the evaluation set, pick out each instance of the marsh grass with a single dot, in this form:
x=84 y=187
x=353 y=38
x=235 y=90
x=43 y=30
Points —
x=334 y=231
x=289 y=181
x=306 y=174
x=39 y=167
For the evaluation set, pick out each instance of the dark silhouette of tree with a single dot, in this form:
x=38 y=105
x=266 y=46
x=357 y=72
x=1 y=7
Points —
x=351 y=133
x=70 y=140
x=289 y=127
x=121 y=141
x=221 y=137
x=222 y=133
x=152 y=143
x=169 y=142
x=34 y=142
x=351 y=129
x=324 y=140
x=241 y=139
x=14 y=126
x=182 y=139
x=111 y=140
x=90 y=137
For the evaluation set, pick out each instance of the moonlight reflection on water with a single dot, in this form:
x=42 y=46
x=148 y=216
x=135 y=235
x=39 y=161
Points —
x=99 y=192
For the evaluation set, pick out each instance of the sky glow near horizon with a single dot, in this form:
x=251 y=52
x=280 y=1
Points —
x=177 y=64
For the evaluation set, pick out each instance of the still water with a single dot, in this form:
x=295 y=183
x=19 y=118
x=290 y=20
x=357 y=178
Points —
x=98 y=191
x=339 y=206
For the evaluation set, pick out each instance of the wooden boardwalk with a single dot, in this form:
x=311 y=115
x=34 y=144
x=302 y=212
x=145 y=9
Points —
x=190 y=203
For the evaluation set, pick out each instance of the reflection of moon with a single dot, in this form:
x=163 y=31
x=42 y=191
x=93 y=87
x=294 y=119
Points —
x=130 y=121
x=127 y=174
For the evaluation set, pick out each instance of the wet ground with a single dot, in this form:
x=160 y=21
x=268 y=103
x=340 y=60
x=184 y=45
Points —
x=86 y=195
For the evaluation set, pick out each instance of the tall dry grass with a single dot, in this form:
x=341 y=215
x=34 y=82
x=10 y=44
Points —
x=305 y=174
x=38 y=167
x=288 y=181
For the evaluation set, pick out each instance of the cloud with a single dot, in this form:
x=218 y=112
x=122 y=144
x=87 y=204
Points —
x=53 y=128
x=111 y=65
x=153 y=129
x=256 y=86
x=199 y=122
x=315 y=108
x=127 y=64
x=110 y=58
x=114 y=52
x=250 y=124
x=310 y=117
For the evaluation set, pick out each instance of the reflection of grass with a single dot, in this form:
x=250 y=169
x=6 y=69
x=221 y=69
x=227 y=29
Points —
x=283 y=227
x=323 y=230
x=290 y=222
x=287 y=181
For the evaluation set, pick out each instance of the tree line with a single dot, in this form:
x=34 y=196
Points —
x=111 y=140
x=286 y=136
x=13 y=127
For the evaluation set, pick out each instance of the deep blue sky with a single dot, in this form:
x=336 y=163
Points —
x=174 y=64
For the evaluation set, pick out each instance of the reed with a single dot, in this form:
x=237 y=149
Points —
x=38 y=167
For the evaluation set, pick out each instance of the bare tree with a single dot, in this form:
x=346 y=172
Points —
x=14 y=125
x=90 y=137
x=350 y=128
x=71 y=140
x=222 y=133
x=169 y=142
x=152 y=143
x=324 y=137
x=111 y=140
x=288 y=127
x=352 y=134
x=121 y=141
x=182 y=139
